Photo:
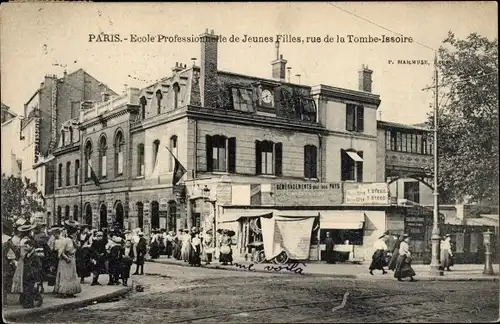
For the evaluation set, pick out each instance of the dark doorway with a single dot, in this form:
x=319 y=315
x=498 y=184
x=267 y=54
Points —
x=172 y=216
x=103 y=217
x=155 y=215
x=119 y=215
x=140 y=215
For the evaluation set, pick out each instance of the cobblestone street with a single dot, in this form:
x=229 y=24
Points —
x=176 y=294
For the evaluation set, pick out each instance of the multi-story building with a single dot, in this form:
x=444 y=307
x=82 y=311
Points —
x=54 y=103
x=11 y=149
x=407 y=154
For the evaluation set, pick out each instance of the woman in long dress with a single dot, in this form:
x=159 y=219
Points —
x=195 y=255
x=186 y=246
x=226 y=253
x=403 y=265
x=18 y=246
x=395 y=254
x=67 y=283
x=329 y=245
x=446 y=254
x=378 y=258
x=178 y=245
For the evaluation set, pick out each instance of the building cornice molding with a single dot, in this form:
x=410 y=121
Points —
x=340 y=93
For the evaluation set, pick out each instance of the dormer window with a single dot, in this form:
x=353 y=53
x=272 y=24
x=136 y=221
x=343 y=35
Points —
x=308 y=110
x=63 y=138
x=71 y=135
x=143 y=102
x=159 y=97
x=105 y=97
x=177 y=89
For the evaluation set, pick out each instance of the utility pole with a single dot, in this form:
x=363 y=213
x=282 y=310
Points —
x=435 y=262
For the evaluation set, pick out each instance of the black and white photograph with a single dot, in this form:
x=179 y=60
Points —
x=250 y=162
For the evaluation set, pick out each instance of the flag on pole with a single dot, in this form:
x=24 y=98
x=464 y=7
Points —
x=179 y=169
x=93 y=176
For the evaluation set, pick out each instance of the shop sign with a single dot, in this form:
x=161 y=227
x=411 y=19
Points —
x=307 y=194
x=415 y=227
x=367 y=194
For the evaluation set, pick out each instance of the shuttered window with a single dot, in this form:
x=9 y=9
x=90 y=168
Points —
x=310 y=162
x=221 y=153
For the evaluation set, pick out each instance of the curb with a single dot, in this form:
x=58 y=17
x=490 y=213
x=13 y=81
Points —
x=23 y=313
x=337 y=276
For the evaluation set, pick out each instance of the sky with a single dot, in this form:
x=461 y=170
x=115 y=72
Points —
x=37 y=38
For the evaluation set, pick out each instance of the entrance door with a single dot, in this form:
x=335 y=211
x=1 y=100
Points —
x=103 y=217
x=119 y=215
x=155 y=215
x=88 y=214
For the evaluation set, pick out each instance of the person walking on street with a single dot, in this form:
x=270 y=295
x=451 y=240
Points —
x=395 y=253
x=67 y=283
x=403 y=265
x=446 y=254
x=141 y=251
x=378 y=258
x=98 y=255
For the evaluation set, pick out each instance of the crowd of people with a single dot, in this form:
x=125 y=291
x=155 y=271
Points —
x=64 y=256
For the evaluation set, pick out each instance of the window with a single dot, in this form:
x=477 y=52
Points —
x=66 y=212
x=310 y=162
x=159 y=97
x=412 y=191
x=355 y=237
x=424 y=145
x=399 y=142
x=63 y=138
x=59 y=175
x=307 y=109
x=351 y=165
x=75 y=213
x=88 y=161
x=71 y=135
x=68 y=173
x=119 y=143
x=143 y=102
x=103 y=148
x=354 y=118
x=268 y=158
x=140 y=214
x=242 y=99
x=414 y=143
x=221 y=153
x=156 y=149
x=77 y=172
x=419 y=144
x=59 y=215
x=140 y=160
x=388 y=139
x=174 y=150
x=177 y=89
x=393 y=140
x=404 y=139
x=172 y=216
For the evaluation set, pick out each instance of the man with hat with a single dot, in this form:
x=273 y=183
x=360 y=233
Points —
x=114 y=260
x=140 y=254
x=98 y=256
x=446 y=253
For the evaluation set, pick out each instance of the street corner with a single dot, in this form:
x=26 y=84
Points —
x=15 y=313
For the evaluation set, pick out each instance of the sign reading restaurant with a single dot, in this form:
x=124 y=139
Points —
x=307 y=194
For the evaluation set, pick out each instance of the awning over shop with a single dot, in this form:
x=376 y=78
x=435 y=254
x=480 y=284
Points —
x=233 y=216
x=355 y=156
x=295 y=214
x=341 y=219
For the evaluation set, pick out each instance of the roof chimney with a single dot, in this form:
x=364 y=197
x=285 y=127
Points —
x=279 y=65
x=177 y=68
x=208 y=69
x=365 y=79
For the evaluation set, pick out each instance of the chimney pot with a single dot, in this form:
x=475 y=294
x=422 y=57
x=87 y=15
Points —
x=208 y=71
x=206 y=30
x=212 y=32
x=365 y=79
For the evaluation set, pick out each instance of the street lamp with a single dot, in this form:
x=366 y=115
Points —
x=435 y=268
x=488 y=268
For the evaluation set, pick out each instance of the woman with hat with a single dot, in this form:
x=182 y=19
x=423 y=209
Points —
x=446 y=253
x=403 y=265
x=154 y=245
x=23 y=233
x=186 y=245
x=169 y=244
x=395 y=253
x=226 y=253
x=114 y=260
x=67 y=283
x=195 y=254
x=83 y=264
x=378 y=258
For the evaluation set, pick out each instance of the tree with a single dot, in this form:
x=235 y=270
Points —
x=468 y=119
x=20 y=200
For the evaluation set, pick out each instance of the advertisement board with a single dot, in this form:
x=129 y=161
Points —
x=307 y=194
x=366 y=194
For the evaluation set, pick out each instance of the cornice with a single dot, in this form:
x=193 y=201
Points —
x=126 y=109
x=66 y=149
x=334 y=92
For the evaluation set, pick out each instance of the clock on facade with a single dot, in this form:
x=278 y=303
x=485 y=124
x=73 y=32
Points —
x=267 y=97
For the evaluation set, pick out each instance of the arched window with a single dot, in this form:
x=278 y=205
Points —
x=63 y=138
x=174 y=150
x=103 y=148
x=88 y=214
x=156 y=149
x=71 y=135
x=177 y=89
x=155 y=214
x=140 y=214
x=66 y=212
x=59 y=215
x=172 y=216
x=76 y=216
x=68 y=173
x=88 y=161
x=119 y=144
x=60 y=175
x=140 y=160
x=159 y=97
x=77 y=172
x=103 y=217
x=143 y=101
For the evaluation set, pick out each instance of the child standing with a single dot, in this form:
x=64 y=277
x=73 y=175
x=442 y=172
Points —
x=32 y=274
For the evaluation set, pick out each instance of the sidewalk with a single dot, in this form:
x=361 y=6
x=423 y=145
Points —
x=460 y=272
x=13 y=311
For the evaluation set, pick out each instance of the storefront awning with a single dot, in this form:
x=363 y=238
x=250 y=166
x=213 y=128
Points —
x=342 y=219
x=354 y=156
x=233 y=216
x=296 y=214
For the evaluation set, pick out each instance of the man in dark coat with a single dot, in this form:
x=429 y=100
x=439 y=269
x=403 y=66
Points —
x=329 y=253
x=32 y=275
x=98 y=255
x=140 y=250
x=390 y=241
x=127 y=260
x=115 y=261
